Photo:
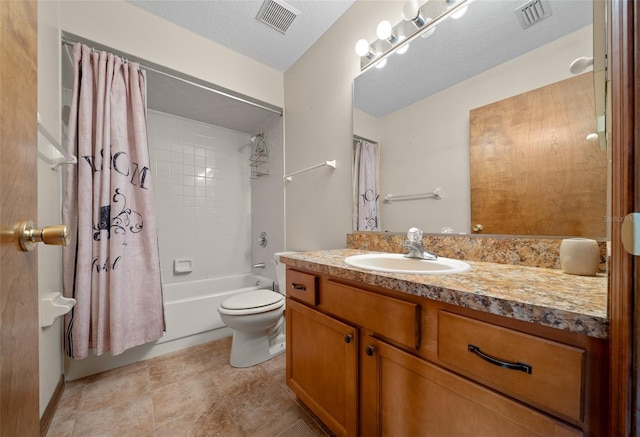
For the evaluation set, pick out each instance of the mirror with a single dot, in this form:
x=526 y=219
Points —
x=418 y=106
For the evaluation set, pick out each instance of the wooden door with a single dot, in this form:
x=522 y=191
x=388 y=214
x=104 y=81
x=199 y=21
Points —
x=19 y=410
x=533 y=171
x=322 y=366
x=403 y=395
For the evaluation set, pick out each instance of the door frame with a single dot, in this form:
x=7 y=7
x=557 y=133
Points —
x=625 y=113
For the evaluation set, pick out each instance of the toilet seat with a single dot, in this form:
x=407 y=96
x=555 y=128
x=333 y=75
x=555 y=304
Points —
x=252 y=302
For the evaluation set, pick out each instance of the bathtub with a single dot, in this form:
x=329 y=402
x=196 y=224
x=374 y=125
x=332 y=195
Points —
x=191 y=315
x=190 y=307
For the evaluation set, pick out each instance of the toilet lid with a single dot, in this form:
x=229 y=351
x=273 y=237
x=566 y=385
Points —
x=252 y=299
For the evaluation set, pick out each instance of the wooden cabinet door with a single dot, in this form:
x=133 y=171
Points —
x=403 y=395
x=322 y=366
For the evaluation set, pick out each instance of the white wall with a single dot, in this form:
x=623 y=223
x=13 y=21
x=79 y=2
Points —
x=267 y=202
x=318 y=128
x=203 y=197
x=49 y=213
x=426 y=145
x=127 y=28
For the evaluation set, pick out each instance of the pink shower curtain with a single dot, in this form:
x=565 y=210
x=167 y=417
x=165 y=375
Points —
x=366 y=186
x=111 y=266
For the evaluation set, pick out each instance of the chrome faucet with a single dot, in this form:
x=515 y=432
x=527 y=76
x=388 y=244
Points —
x=414 y=244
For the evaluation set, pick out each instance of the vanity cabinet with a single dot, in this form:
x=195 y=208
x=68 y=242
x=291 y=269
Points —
x=322 y=366
x=403 y=395
x=413 y=366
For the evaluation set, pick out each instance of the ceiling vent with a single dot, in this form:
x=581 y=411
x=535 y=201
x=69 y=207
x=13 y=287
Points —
x=533 y=12
x=277 y=14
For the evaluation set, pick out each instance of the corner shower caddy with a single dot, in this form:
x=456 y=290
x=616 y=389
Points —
x=259 y=159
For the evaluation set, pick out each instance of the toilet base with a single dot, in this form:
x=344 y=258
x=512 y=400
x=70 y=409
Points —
x=249 y=349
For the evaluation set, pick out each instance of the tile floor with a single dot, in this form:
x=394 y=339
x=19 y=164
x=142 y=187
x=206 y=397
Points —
x=193 y=392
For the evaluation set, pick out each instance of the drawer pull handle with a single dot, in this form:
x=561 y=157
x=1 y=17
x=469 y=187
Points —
x=348 y=338
x=298 y=286
x=369 y=350
x=507 y=365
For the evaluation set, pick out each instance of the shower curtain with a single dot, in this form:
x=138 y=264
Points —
x=366 y=186
x=111 y=266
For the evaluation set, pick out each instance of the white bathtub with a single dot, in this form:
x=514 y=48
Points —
x=191 y=307
x=191 y=314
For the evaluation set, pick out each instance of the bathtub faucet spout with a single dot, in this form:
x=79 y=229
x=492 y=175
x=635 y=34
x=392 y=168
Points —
x=259 y=266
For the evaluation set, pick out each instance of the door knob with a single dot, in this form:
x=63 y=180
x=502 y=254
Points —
x=28 y=235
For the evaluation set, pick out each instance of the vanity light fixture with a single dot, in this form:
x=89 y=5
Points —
x=364 y=49
x=459 y=13
x=417 y=21
x=402 y=50
x=411 y=12
x=381 y=63
x=385 y=31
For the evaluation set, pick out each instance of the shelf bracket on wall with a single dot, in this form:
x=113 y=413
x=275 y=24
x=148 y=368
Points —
x=331 y=164
x=66 y=158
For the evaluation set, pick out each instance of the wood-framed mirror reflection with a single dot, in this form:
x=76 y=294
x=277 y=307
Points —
x=466 y=64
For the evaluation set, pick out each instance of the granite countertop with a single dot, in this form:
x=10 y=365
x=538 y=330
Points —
x=543 y=296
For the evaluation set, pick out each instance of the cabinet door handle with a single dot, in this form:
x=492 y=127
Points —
x=298 y=286
x=369 y=350
x=348 y=338
x=506 y=364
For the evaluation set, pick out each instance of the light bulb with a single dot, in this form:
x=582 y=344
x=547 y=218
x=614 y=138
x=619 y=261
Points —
x=362 y=48
x=411 y=12
x=429 y=32
x=460 y=12
x=381 y=63
x=384 y=30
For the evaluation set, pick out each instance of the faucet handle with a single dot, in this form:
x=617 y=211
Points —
x=415 y=235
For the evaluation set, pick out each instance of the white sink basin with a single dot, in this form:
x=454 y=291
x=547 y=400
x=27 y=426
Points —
x=398 y=263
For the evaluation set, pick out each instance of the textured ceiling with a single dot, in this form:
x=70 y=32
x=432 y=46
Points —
x=233 y=24
x=487 y=35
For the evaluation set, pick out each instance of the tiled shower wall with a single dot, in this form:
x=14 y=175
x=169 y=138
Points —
x=203 y=196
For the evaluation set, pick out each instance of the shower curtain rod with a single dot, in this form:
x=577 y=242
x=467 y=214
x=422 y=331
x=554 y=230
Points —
x=69 y=39
x=358 y=137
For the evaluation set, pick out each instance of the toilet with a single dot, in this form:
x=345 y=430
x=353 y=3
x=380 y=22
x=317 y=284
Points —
x=257 y=320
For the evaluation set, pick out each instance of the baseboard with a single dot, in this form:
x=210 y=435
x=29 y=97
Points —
x=52 y=406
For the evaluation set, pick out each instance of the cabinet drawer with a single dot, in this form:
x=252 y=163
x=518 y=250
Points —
x=392 y=318
x=544 y=373
x=302 y=286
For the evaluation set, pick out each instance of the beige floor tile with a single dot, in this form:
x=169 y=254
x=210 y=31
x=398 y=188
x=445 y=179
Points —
x=174 y=367
x=190 y=393
x=184 y=400
x=215 y=353
x=254 y=405
x=130 y=368
x=107 y=392
x=131 y=418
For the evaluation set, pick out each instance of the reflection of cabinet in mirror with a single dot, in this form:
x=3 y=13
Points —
x=533 y=171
